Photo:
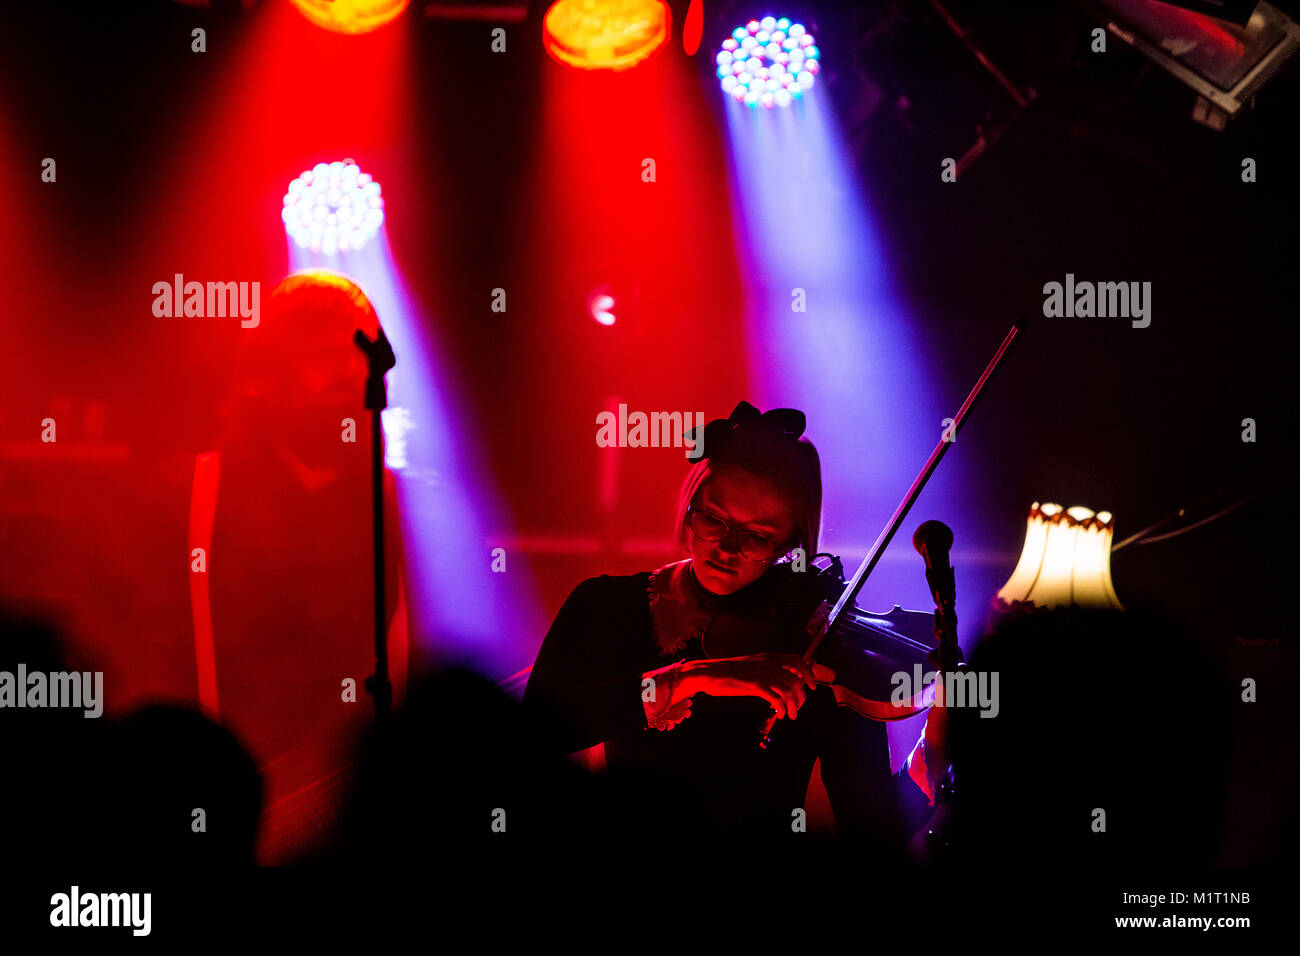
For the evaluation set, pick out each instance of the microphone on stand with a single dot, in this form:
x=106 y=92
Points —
x=933 y=538
x=933 y=541
x=379 y=359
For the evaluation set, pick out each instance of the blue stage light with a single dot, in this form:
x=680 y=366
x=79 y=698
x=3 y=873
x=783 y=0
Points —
x=768 y=63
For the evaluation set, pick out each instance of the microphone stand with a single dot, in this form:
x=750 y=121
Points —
x=379 y=359
x=933 y=541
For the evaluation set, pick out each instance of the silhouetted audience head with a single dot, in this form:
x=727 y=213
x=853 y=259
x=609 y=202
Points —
x=190 y=794
x=52 y=800
x=1109 y=747
x=96 y=791
x=457 y=764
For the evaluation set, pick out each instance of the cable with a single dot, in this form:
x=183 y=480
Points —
x=1140 y=537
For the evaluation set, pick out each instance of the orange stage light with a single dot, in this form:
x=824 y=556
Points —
x=605 y=34
x=351 y=16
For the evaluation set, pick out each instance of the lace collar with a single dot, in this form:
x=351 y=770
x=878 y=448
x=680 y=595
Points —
x=681 y=609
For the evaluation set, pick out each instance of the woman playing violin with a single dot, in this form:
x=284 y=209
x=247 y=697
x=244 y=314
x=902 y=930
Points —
x=633 y=661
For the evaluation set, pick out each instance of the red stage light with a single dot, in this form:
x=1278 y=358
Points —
x=599 y=304
x=351 y=16
x=605 y=34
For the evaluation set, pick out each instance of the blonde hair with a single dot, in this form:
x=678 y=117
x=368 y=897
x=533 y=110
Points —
x=794 y=467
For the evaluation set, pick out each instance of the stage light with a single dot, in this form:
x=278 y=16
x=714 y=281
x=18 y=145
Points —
x=1225 y=63
x=332 y=208
x=605 y=34
x=768 y=63
x=1065 y=561
x=351 y=16
x=599 y=305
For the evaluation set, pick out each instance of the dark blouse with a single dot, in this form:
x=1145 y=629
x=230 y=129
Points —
x=707 y=773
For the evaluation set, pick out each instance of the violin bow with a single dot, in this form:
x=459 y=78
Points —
x=822 y=621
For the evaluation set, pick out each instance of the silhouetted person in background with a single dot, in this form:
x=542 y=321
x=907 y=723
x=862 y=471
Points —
x=1099 y=712
x=286 y=507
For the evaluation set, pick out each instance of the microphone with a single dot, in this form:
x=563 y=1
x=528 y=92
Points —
x=933 y=541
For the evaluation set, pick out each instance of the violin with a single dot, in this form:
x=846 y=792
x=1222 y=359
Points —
x=864 y=649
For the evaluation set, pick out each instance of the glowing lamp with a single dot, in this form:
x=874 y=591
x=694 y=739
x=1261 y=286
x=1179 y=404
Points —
x=351 y=16
x=1065 y=561
x=768 y=63
x=605 y=34
x=332 y=208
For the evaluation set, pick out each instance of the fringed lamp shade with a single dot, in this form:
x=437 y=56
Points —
x=1065 y=561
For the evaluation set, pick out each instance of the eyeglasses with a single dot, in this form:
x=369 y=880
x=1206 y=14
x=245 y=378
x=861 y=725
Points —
x=753 y=545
